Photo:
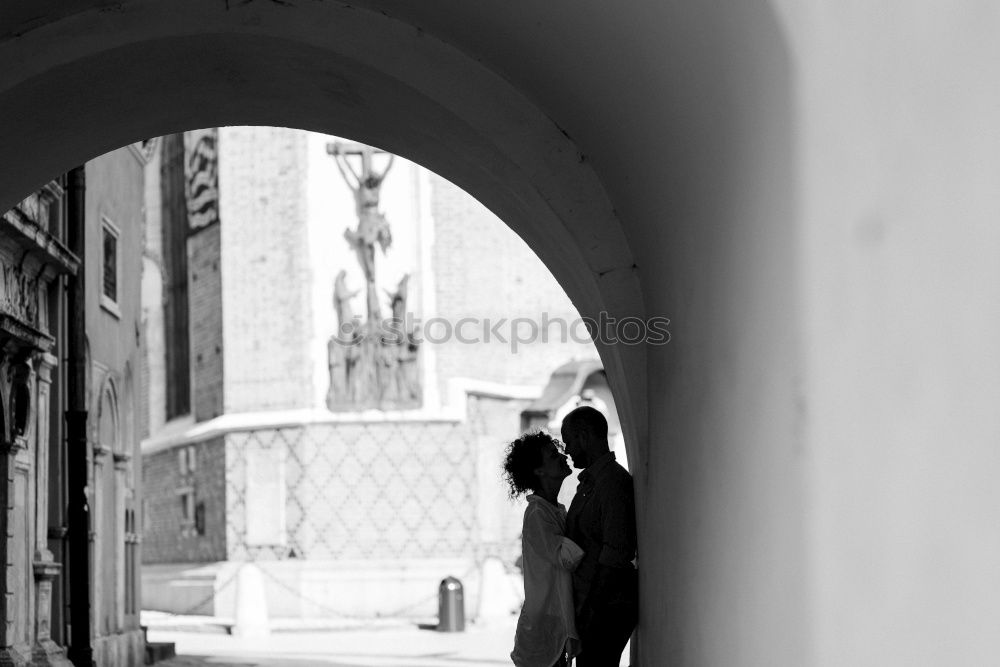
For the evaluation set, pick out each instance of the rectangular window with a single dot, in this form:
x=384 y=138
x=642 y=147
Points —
x=199 y=518
x=187 y=508
x=110 y=267
x=187 y=460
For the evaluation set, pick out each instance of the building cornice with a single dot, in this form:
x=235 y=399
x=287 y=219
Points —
x=184 y=432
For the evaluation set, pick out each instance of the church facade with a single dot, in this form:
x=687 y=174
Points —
x=352 y=391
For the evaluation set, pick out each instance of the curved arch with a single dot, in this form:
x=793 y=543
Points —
x=683 y=114
x=703 y=174
x=108 y=415
x=414 y=95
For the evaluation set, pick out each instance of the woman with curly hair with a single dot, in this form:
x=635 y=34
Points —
x=546 y=632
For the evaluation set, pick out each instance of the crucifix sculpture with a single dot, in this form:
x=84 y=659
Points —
x=373 y=228
x=372 y=363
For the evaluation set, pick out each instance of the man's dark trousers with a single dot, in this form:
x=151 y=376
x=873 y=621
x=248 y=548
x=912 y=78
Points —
x=601 y=519
x=606 y=629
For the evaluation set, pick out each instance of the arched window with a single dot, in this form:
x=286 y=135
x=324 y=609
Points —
x=107 y=418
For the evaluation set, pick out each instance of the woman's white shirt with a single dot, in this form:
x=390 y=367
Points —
x=546 y=627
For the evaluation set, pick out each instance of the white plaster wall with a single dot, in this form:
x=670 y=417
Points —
x=116 y=192
x=899 y=166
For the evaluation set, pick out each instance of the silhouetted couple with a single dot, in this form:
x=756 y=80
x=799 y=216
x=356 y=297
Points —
x=580 y=585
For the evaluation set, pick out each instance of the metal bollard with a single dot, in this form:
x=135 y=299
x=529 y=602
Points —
x=451 y=606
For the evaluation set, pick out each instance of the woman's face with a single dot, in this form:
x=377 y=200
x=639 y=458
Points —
x=554 y=463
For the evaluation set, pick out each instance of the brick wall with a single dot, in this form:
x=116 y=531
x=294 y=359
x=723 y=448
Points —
x=166 y=536
x=265 y=264
x=482 y=269
x=205 y=298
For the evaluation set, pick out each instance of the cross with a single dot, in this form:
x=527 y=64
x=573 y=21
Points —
x=372 y=226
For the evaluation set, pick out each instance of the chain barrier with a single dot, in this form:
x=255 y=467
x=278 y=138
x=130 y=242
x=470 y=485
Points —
x=191 y=609
x=396 y=613
x=363 y=620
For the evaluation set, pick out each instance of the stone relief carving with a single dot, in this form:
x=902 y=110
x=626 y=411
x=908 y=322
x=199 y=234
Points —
x=36 y=208
x=201 y=174
x=17 y=387
x=18 y=295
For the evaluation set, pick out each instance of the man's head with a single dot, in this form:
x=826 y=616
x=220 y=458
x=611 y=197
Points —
x=585 y=434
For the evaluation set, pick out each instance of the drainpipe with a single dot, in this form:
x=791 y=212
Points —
x=78 y=513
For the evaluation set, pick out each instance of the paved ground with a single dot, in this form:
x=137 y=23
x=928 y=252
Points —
x=387 y=646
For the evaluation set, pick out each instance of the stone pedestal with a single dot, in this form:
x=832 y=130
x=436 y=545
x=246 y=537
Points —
x=251 y=618
x=14 y=648
x=46 y=570
x=45 y=651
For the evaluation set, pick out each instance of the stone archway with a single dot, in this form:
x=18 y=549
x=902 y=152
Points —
x=525 y=110
x=785 y=174
x=450 y=114
x=107 y=449
x=415 y=96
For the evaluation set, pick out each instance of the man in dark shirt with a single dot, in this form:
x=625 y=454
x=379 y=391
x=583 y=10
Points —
x=601 y=520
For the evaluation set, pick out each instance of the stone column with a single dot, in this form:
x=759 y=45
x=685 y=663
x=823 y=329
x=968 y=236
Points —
x=98 y=590
x=45 y=651
x=122 y=460
x=9 y=651
x=16 y=380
